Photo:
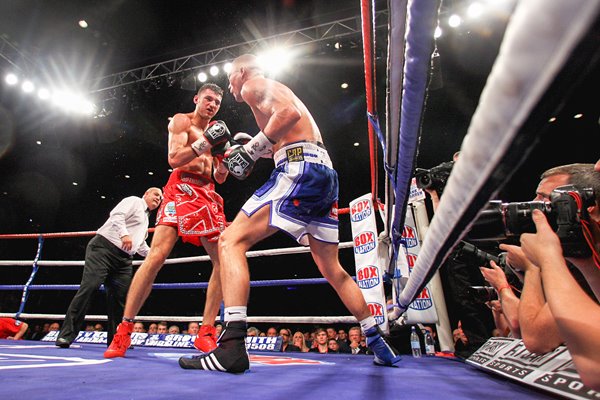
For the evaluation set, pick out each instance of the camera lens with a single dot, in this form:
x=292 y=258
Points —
x=519 y=216
x=482 y=294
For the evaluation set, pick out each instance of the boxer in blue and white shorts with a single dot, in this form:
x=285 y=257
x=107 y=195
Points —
x=299 y=198
x=302 y=192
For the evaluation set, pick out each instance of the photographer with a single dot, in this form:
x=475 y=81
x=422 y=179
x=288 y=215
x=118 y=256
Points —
x=538 y=327
x=577 y=316
x=458 y=276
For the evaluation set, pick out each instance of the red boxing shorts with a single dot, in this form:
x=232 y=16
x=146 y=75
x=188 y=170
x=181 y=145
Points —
x=9 y=327
x=191 y=204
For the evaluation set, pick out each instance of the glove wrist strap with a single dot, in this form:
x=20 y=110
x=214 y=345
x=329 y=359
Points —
x=201 y=146
x=258 y=146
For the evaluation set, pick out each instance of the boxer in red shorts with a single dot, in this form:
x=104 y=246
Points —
x=11 y=328
x=191 y=209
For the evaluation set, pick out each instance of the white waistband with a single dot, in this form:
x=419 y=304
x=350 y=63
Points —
x=302 y=151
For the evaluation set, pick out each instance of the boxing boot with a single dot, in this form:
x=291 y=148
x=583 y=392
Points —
x=230 y=356
x=121 y=341
x=206 y=340
x=385 y=354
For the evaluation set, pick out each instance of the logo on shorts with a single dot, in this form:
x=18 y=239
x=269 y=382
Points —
x=333 y=213
x=377 y=312
x=237 y=165
x=169 y=210
x=367 y=277
x=295 y=154
x=360 y=210
x=364 y=242
x=185 y=188
x=409 y=236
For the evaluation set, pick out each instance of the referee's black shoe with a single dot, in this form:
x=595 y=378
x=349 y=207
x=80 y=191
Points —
x=63 y=343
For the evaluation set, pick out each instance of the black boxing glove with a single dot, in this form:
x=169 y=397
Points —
x=215 y=134
x=238 y=162
x=238 y=138
x=220 y=149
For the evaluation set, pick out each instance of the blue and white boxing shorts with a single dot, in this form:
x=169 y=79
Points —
x=303 y=193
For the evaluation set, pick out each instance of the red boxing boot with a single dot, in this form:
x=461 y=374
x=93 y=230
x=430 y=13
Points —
x=206 y=340
x=121 y=341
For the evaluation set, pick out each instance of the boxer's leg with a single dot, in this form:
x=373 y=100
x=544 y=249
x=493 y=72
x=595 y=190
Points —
x=162 y=243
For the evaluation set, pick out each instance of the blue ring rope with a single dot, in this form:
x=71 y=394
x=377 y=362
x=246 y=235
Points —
x=184 y=285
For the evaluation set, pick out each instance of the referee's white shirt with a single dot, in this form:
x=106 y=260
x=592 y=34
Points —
x=129 y=217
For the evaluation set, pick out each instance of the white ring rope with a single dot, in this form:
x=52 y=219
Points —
x=180 y=260
x=157 y=318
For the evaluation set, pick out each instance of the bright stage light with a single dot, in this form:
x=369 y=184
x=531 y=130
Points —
x=475 y=10
x=28 y=87
x=454 y=21
x=214 y=70
x=227 y=67
x=275 y=61
x=44 y=94
x=11 y=79
x=202 y=77
x=73 y=102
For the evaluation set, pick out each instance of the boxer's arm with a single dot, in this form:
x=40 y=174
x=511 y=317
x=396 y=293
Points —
x=179 y=152
x=22 y=330
x=276 y=104
x=220 y=170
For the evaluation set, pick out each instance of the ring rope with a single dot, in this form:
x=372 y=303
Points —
x=55 y=235
x=180 y=260
x=182 y=285
x=339 y=319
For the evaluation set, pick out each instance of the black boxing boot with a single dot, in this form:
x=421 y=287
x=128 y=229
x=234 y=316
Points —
x=230 y=356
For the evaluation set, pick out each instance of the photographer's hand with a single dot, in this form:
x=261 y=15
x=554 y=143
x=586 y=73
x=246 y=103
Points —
x=516 y=258
x=509 y=302
x=495 y=276
x=435 y=199
x=541 y=248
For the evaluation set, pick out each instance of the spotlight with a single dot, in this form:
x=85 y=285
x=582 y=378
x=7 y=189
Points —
x=11 y=79
x=214 y=70
x=44 y=94
x=27 y=87
x=202 y=77
x=227 y=67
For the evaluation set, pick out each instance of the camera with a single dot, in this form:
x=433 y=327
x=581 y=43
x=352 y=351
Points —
x=468 y=253
x=565 y=210
x=482 y=294
x=434 y=178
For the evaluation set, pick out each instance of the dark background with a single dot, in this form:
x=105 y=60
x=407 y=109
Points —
x=36 y=190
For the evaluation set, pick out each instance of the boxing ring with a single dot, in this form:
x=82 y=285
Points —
x=495 y=143
x=42 y=371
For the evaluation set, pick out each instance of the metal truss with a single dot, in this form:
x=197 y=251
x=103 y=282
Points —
x=339 y=29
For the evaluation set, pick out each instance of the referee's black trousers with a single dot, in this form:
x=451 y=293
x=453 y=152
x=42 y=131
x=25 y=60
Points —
x=105 y=264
